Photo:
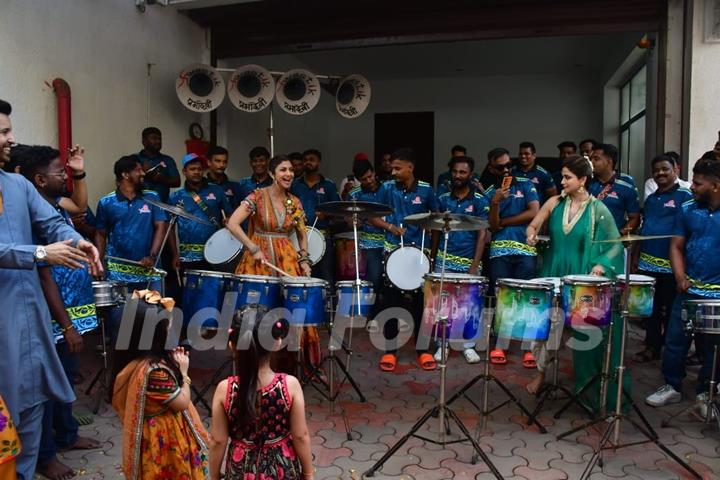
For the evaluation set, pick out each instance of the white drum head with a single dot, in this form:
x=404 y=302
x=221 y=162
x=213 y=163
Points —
x=251 y=88
x=316 y=244
x=200 y=87
x=297 y=91
x=406 y=268
x=221 y=247
x=636 y=279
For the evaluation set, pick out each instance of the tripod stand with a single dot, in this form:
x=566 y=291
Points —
x=103 y=375
x=442 y=409
x=615 y=418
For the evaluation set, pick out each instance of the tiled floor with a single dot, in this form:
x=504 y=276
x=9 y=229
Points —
x=395 y=401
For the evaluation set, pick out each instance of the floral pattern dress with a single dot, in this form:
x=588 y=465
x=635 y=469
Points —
x=271 y=229
x=9 y=444
x=265 y=451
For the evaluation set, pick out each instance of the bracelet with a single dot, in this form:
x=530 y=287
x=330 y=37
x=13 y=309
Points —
x=186 y=380
x=79 y=176
x=254 y=249
x=64 y=330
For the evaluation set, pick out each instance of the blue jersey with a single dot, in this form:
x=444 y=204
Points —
x=510 y=240
x=322 y=192
x=193 y=235
x=370 y=236
x=130 y=227
x=661 y=211
x=701 y=229
x=619 y=195
x=168 y=168
x=461 y=244
x=419 y=198
x=75 y=287
x=230 y=189
x=247 y=185
x=541 y=179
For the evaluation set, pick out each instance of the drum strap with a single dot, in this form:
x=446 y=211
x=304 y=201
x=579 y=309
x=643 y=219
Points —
x=204 y=208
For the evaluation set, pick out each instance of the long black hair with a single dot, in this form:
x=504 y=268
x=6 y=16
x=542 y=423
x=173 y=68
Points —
x=248 y=352
x=157 y=352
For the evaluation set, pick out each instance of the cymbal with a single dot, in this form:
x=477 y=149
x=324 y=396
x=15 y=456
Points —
x=362 y=209
x=437 y=221
x=632 y=238
x=175 y=210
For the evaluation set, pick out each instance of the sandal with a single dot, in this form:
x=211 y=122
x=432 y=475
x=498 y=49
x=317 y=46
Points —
x=497 y=357
x=426 y=361
x=388 y=362
x=529 y=360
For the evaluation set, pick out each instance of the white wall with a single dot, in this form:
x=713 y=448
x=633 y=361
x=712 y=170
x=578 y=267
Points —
x=101 y=48
x=480 y=113
x=704 y=120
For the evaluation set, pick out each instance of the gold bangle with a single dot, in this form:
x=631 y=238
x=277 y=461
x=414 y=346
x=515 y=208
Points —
x=67 y=329
x=186 y=380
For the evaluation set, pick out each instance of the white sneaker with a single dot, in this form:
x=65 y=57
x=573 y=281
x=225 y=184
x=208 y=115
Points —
x=663 y=396
x=471 y=356
x=438 y=354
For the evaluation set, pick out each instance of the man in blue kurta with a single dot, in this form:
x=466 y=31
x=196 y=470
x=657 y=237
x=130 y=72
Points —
x=406 y=195
x=616 y=191
x=695 y=263
x=313 y=189
x=465 y=248
x=204 y=200
x=31 y=371
x=260 y=177
x=661 y=210
x=160 y=169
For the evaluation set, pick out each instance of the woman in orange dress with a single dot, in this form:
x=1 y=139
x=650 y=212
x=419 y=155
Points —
x=9 y=444
x=274 y=215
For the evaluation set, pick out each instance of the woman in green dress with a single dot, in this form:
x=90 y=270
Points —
x=576 y=221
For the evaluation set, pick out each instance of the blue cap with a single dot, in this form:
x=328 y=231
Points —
x=191 y=157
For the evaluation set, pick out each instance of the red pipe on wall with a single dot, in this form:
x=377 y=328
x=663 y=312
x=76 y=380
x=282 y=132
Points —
x=62 y=94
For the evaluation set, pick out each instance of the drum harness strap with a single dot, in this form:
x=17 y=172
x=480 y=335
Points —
x=204 y=208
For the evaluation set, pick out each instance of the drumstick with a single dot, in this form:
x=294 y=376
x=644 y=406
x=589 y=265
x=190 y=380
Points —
x=131 y=262
x=401 y=237
x=283 y=272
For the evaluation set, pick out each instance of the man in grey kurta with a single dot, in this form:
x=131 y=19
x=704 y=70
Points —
x=30 y=371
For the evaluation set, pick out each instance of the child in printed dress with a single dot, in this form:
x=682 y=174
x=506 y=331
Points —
x=260 y=412
x=162 y=433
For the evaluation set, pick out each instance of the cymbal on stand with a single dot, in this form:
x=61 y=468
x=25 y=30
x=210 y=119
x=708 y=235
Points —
x=439 y=221
x=176 y=210
x=632 y=238
x=349 y=208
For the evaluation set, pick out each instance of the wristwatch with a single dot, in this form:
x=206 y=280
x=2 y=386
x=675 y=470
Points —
x=40 y=253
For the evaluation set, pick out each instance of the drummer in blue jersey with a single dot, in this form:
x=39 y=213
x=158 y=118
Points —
x=695 y=262
x=313 y=189
x=616 y=191
x=465 y=248
x=216 y=165
x=528 y=168
x=405 y=196
x=68 y=293
x=204 y=200
x=371 y=238
x=513 y=204
x=260 y=177
x=661 y=210
x=130 y=228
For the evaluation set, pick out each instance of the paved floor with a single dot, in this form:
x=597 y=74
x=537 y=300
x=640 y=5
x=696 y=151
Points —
x=395 y=401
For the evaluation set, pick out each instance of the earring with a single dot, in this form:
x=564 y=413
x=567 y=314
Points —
x=581 y=189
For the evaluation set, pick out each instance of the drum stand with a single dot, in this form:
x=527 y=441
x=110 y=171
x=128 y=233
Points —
x=713 y=409
x=550 y=391
x=103 y=375
x=442 y=409
x=615 y=418
x=171 y=224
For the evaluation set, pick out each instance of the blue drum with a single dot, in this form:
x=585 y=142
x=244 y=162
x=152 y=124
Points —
x=304 y=297
x=204 y=290
x=257 y=290
x=347 y=294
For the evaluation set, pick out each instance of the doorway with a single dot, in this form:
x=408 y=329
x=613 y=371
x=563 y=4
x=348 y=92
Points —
x=415 y=130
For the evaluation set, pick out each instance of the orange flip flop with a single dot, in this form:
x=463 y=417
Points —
x=388 y=362
x=529 y=360
x=426 y=361
x=497 y=357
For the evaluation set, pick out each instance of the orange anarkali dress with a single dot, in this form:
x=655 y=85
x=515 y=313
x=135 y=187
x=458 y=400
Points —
x=271 y=229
